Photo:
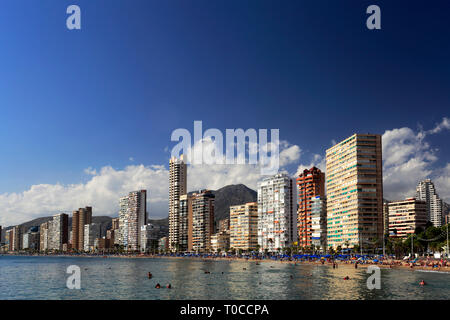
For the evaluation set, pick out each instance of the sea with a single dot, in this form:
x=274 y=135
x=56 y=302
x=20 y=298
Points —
x=114 y=278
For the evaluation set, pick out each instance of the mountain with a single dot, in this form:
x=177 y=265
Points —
x=231 y=195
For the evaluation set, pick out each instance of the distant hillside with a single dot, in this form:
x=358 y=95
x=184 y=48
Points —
x=231 y=195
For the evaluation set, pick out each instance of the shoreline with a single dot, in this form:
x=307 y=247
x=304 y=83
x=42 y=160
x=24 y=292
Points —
x=390 y=264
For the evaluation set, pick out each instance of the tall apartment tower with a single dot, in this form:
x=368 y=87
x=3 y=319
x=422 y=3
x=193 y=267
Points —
x=185 y=223
x=123 y=222
x=354 y=180
x=311 y=184
x=277 y=214
x=202 y=220
x=137 y=217
x=405 y=216
x=80 y=218
x=244 y=226
x=59 y=231
x=177 y=188
x=43 y=236
x=426 y=191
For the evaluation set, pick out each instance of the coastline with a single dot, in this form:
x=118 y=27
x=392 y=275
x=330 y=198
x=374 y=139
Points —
x=389 y=264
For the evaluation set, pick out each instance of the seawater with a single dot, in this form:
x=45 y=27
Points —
x=44 y=277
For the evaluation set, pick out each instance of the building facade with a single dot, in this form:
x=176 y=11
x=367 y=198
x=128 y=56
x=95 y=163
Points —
x=277 y=213
x=80 y=218
x=59 y=231
x=405 y=216
x=137 y=218
x=354 y=182
x=91 y=232
x=184 y=224
x=244 y=226
x=319 y=223
x=202 y=220
x=123 y=222
x=426 y=191
x=310 y=184
x=177 y=188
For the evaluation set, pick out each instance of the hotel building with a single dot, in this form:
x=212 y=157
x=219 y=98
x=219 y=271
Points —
x=355 y=192
x=405 y=216
x=319 y=223
x=58 y=231
x=426 y=191
x=123 y=222
x=311 y=184
x=137 y=217
x=185 y=224
x=202 y=220
x=80 y=218
x=44 y=236
x=177 y=188
x=244 y=226
x=91 y=232
x=276 y=213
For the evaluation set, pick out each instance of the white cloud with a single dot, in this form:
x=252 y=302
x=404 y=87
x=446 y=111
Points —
x=102 y=192
x=408 y=158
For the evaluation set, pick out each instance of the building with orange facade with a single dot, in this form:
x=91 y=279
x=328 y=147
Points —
x=311 y=184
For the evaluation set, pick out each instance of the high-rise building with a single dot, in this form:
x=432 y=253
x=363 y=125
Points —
x=44 y=236
x=185 y=224
x=202 y=220
x=276 y=213
x=426 y=191
x=177 y=188
x=31 y=239
x=149 y=237
x=385 y=218
x=311 y=184
x=115 y=223
x=137 y=217
x=123 y=221
x=244 y=226
x=220 y=241
x=224 y=224
x=91 y=232
x=80 y=218
x=59 y=231
x=354 y=181
x=405 y=216
x=15 y=239
x=319 y=223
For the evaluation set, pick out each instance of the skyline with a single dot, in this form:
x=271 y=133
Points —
x=88 y=114
x=109 y=184
x=256 y=173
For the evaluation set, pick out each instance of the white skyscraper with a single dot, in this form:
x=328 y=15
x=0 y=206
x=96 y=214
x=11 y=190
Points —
x=177 y=188
x=137 y=217
x=123 y=222
x=426 y=191
x=276 y=212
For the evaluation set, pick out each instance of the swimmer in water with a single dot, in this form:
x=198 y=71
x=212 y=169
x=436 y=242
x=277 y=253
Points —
x=347 y=278
x=150 y=275
x=158 y=286
x=422 y=283
x=169 y=286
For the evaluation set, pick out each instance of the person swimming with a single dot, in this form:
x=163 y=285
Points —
x=150 y=275
x=169 y=286
x=347 y=278
x=422 y=283
x=158 y=286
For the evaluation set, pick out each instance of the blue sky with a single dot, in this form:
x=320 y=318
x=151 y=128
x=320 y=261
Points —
x=137 y=70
